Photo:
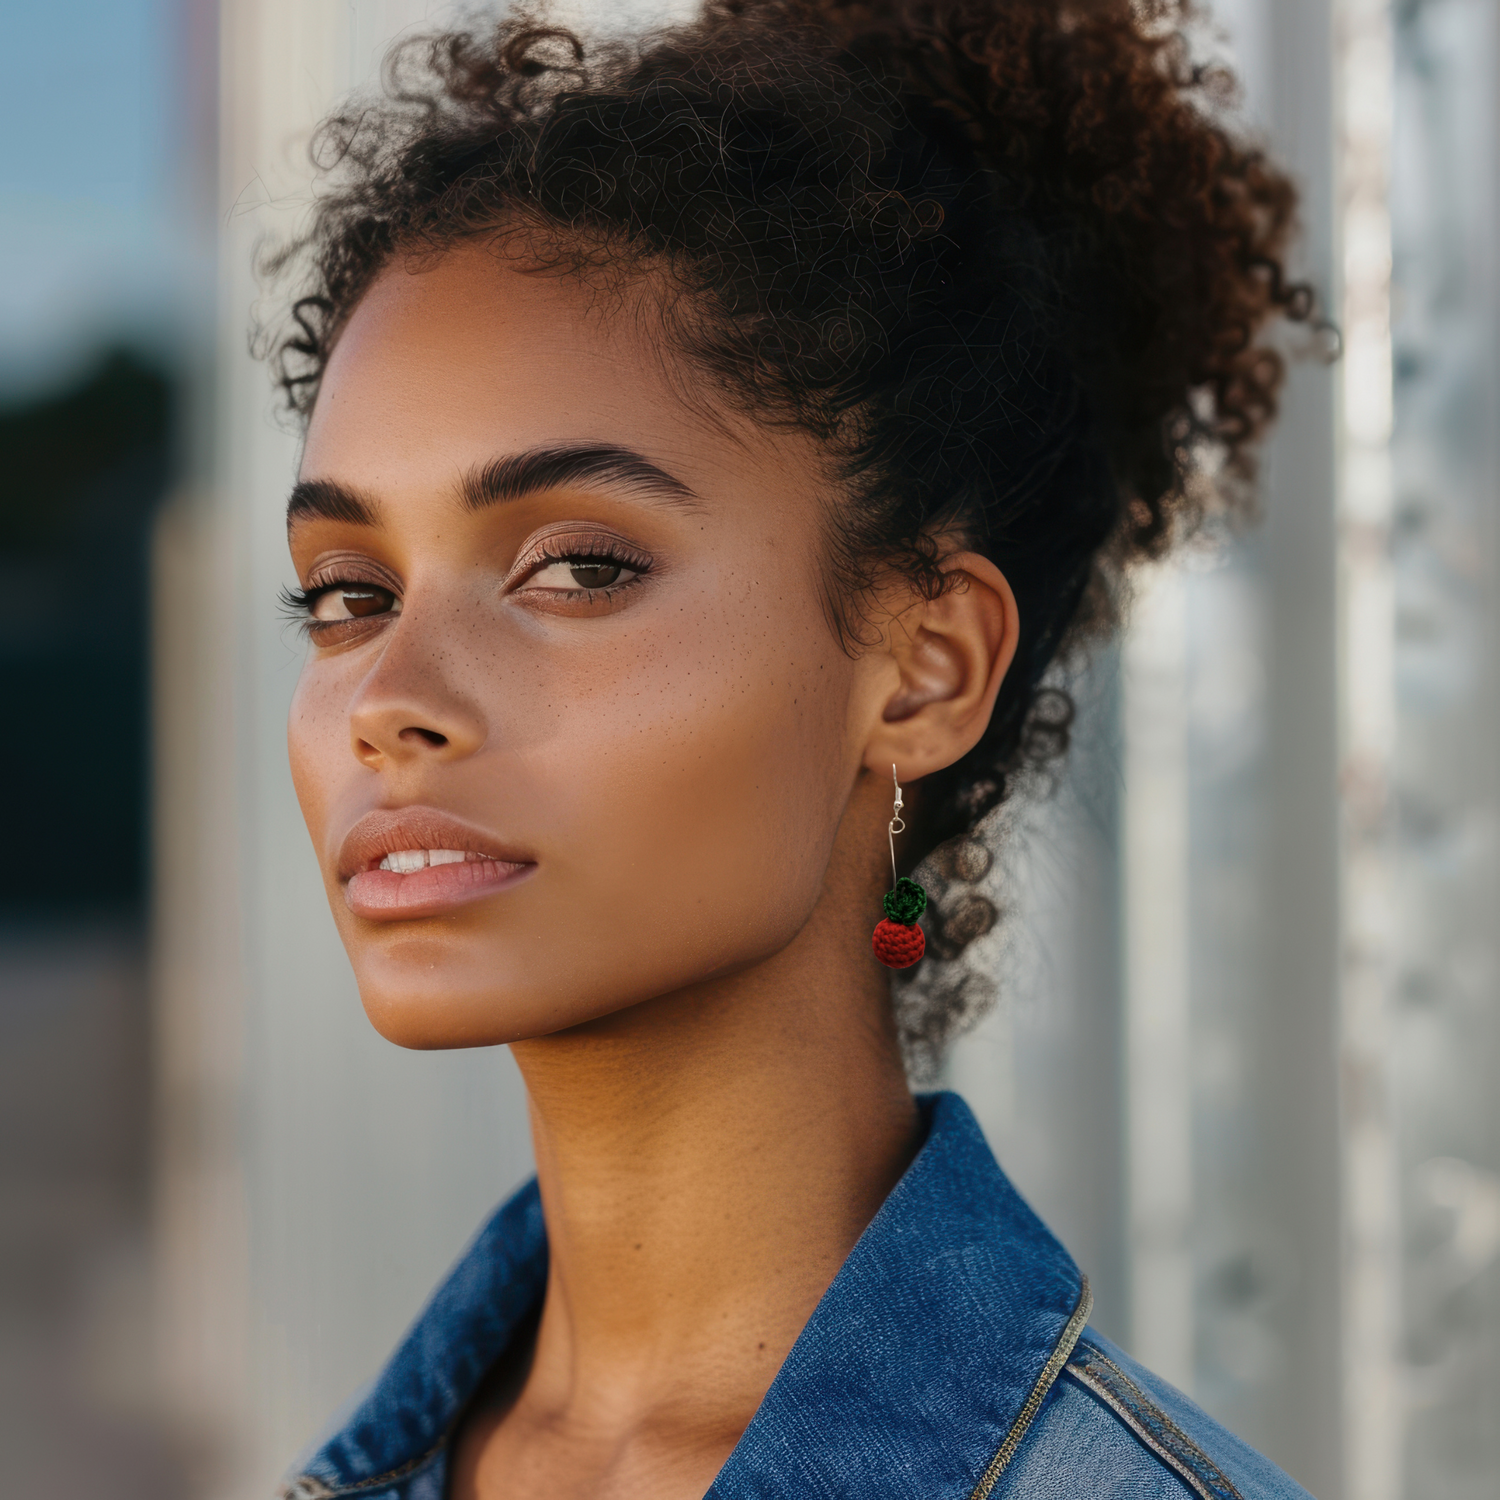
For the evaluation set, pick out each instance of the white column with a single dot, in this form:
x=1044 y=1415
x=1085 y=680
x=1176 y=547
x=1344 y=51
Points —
x=1367 y=714
x=1158 y=1043
x=1444 y=1053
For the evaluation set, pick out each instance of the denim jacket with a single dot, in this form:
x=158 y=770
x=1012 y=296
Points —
x=951 y=1359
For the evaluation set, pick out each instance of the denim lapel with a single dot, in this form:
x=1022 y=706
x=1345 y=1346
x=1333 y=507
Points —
x=932 y=1348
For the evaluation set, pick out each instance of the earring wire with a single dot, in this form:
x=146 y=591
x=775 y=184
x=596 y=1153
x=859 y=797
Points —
x=897 y=824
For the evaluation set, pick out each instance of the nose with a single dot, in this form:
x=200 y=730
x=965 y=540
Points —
x=410 y=708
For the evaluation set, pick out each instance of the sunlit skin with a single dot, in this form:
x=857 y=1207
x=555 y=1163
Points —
x=619 y=701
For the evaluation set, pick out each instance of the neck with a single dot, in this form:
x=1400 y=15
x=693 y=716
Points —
x=707 y=1161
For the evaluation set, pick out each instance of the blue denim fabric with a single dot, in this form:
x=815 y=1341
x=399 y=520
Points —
x=949 y=1360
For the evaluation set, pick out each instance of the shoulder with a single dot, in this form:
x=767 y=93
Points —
x=1110 y=1428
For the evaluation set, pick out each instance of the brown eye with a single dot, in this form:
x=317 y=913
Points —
x=353 y=601
x=588 y=574
x=367 y=601
x=594 y=575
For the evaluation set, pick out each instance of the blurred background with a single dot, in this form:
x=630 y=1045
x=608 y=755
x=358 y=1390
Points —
x=1247 y=1055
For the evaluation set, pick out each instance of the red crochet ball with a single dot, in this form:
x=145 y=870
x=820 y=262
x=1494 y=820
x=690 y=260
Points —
x=898 y=945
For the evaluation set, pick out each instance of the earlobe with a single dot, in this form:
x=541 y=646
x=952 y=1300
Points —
x=951 y=655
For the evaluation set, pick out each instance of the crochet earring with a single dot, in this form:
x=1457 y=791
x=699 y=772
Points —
x=898 y=941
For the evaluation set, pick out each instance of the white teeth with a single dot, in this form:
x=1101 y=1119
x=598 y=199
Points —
x=405 y=861
x=409 y=861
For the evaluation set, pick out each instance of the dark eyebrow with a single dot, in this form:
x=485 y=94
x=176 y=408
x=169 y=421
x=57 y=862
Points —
x=328 y=500
x=551 y=468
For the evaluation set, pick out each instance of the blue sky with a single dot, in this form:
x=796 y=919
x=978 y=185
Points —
x=88 y=98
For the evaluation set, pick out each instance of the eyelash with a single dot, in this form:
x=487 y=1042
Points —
x=297 y=604
x=599 y=550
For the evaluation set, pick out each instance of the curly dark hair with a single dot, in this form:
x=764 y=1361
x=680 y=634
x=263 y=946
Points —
x=1003 y=257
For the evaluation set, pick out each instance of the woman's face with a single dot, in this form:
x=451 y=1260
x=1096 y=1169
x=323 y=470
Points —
x=573 y=729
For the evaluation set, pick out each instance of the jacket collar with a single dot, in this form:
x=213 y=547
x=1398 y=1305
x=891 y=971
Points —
x=917 y=1374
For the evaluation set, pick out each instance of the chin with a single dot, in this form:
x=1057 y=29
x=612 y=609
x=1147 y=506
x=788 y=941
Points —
x=442 y=1005
x=430 y=991
x=420 y=1026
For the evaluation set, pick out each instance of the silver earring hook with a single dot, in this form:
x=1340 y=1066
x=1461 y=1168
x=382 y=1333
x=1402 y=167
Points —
x=897 y=824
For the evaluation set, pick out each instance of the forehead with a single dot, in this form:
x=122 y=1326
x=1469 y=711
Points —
x=468 y=357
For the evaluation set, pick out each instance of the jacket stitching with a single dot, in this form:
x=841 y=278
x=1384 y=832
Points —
x=308 y=1487
x=1155 y=1429
x=1050 y=1371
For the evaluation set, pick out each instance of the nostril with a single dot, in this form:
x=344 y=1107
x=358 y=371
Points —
x=431 y=736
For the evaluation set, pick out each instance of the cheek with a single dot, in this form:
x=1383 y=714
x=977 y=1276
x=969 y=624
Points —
x=318 y=749
x=716 y=766
x=697 y=775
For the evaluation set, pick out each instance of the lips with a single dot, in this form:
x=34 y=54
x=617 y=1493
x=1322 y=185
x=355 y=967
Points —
x=399 y=863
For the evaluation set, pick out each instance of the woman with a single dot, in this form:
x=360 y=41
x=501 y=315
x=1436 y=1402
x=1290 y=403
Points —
x=707 y=438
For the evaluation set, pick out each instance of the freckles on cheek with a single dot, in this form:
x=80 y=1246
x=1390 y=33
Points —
x=703 y=760
x=318 y=747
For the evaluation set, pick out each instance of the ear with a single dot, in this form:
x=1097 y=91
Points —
x=950 y=655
